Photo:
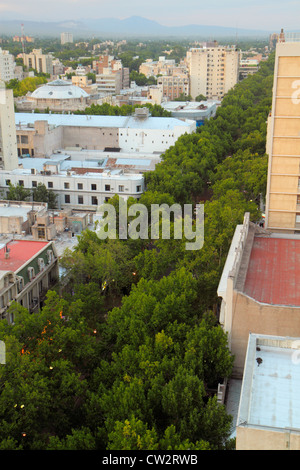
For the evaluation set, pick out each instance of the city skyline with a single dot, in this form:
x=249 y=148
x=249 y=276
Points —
x=267 y=15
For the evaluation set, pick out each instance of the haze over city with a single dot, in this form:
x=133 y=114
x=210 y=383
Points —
x=267 y=15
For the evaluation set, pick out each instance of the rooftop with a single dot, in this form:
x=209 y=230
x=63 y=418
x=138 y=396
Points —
x=20 y=251
x=269 y=394
x=59 y=89
x=273 y=272
x=121 y=122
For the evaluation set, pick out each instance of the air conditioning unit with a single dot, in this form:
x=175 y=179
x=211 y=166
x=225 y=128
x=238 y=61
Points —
x=41 y=263
x=31 y=273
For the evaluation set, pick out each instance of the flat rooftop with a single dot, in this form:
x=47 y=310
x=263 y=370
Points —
x=273 y=274
x=20 y=252
x=122 y=122
x=270 y=389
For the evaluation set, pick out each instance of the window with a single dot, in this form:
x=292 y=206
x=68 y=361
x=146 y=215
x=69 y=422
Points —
x=80 y=199
x=50 y=184
x=79 y=186
x=67 y=198
x=21 y=183
x=93 y=187
x=121 y=189
x=138 y=188
x=66 y=185
x=34 y=184
x=7 y=182
x=94 y=200
x=107 y=187
x=24 y=139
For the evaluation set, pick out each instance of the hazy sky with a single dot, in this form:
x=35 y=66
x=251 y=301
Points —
x=250 y=14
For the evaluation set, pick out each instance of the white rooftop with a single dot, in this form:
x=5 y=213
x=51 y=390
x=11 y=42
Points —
x=59 y=90
x=125 y=122
x=270 y=389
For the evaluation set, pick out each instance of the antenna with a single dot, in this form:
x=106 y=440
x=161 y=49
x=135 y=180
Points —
x=23 y=38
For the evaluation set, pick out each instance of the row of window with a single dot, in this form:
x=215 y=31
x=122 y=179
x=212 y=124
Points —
x=107 y=187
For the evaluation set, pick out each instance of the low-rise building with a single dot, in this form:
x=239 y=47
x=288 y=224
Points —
x=197 y=111
x=41 y=135
x=258 y=288
x=269 y=407
x=27 y=270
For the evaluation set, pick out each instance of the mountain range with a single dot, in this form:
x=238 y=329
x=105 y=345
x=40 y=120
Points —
x=135 y=26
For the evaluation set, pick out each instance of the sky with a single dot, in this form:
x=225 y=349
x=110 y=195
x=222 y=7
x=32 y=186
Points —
x=270 y=15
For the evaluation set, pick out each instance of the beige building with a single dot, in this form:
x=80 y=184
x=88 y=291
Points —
x=17 y=217
x=283 y=188
x=174 y=86
x=213 y=70
x=269 y=411
x=38 y=61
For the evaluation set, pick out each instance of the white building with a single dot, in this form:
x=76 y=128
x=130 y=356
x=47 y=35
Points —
x=66 y=38
x=7 y=66
x=78 y=184
x=8 y=140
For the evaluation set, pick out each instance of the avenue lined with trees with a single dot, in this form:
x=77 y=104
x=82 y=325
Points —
x=130 y=354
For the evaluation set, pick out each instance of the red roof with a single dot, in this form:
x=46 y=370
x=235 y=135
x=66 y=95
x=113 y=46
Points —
x=20 y=252
x=273 y=275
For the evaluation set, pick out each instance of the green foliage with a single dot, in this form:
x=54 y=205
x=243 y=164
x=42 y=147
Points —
x=17 y=193
x=42 y=194
x=28 y=84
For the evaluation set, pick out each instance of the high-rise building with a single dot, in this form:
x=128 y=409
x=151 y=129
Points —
x=213 y=70
x=7 y=66
x=283 y=187
x=38 y=61
x=8 y=139
x=66 y=38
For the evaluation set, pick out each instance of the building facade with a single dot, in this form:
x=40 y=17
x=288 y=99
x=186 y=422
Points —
x=66 y=38
x=213 y=70
x=28 y=270
x=8 y=141
x=38 y=61
x=7 y=66
x=283 y=187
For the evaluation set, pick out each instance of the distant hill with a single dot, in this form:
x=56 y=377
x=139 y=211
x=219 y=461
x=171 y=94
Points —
x=135 y=26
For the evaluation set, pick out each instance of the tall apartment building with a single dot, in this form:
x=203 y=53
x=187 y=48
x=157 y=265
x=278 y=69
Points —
x=213 y=70
x=66 y=38
x=42 y=63
x=8 y=139
x=7 y=66
x=283 y=186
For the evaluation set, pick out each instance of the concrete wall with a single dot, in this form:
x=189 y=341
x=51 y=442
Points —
x=250 y=438
x=251 y=316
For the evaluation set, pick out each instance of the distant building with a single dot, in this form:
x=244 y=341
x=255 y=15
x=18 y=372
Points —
x=66 y=38
x=27 y=270
x=213 y=70
x=193 y=110
x=8 y=142
x=17 y=217
x=269 y=411
x=38 y=61
x=7 y=66
x=247 y=67
x=58 y=95
x=174 y=86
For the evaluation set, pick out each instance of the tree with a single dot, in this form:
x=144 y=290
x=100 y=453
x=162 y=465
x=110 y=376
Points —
x=17 y=192
x=42 y=194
